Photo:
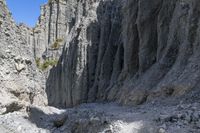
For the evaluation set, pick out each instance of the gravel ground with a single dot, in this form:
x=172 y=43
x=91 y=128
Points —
x=104 y=118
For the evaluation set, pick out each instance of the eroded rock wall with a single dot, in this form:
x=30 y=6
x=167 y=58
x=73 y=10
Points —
x=51 y=29
x=128 y=51
x=20 y=81
x=86 y=65
x=173 y=67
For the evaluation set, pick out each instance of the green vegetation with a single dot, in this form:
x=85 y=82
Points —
x=37 y=61
x=47 y=63
x=1 y=23
x=56 y=44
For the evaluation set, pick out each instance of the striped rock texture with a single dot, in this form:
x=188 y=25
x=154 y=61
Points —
x=129 y=51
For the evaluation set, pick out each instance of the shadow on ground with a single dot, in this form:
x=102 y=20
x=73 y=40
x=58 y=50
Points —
x=51 y=121
x=91 y=118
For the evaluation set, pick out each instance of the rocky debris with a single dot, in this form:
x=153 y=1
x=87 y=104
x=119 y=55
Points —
x=21 y=63
x=93 y=118
x=20 y=67
x=19 y=76
x=98 y=118
x=181 y=117
x=60 y=121
x=161 y=130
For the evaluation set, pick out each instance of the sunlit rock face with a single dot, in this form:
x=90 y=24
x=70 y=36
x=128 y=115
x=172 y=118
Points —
x=50 y=30
x=20 y=81
x=129 y=51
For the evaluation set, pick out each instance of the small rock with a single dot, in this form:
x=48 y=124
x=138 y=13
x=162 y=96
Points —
x=194 y=108
x=180 y=107
x=165 y=118
x=2 y=110
x=8 y=51
x=173 y=118
x=195 y=117
x=59 y=122
x=19 y=128
x=179 y=116
x=93 y=118
x=108 y=131
x=188 y=118
x=164 y=126
x=28 y=61
x=20 y=67
x=18 y=58
x=7 y=72
x=12 y=55
x=161 y=130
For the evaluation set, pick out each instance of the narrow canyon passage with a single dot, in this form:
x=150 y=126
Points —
x=101 y=66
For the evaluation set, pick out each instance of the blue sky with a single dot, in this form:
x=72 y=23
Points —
x=26 y=11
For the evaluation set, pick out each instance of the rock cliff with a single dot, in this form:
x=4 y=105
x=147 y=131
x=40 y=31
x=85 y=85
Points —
x=20 y=81
x=129 y=51
x=85 y=67
x=50 y=30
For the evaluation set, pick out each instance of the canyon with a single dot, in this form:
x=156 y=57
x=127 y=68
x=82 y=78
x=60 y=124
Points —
x=102 y=66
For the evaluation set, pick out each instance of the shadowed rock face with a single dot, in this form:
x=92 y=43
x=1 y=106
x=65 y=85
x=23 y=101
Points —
x=86 y=65
x=174 y=38
x=130 y=51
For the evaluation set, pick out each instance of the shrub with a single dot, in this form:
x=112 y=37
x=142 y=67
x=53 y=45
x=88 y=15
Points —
x=56 y=44
x=53 y=62
x=37 y=61
x=47 y=63
x=59 y=40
